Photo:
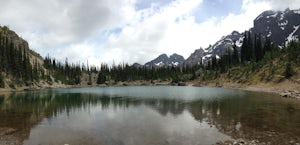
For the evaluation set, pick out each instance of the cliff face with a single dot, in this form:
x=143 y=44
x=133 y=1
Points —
x=9 y=36
x=19 y=65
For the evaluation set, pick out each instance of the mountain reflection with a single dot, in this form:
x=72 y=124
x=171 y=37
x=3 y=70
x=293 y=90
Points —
x=236 y=116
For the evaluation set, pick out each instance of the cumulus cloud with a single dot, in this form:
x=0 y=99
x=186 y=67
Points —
x=124 y=30
x=173 y=29
x=59 y=25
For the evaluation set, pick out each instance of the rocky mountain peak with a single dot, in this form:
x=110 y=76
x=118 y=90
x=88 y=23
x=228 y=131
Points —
x=164 y=60
x=217 y=48
x=176 y=58
x=279 y=26
x=195 y=58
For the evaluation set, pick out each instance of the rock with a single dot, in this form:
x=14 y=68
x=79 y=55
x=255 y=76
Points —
x=290 y=94
x=219 y=84
x=253 y=142
x=228 y=142
x=181 y=84
x=7 y=131
x=285 y=95
x=292 y=142
x=239 y=142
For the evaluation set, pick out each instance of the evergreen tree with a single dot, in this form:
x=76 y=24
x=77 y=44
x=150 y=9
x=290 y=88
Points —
x=236 y=58
x=250 y=53
x=2 y=84
x=258 y=48
x=267 y=47
x=288 y=70
x=244 y=48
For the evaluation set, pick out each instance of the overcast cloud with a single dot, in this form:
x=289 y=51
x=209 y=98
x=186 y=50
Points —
x=128 y=30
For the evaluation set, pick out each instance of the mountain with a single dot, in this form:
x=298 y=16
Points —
x=164 y=60
x=219 y=48
x=226 y=43
x=176 y=59
x=279 y=26
x=195 y=58
x=137 y=65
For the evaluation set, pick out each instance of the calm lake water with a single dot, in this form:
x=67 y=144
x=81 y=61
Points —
x=148 y=115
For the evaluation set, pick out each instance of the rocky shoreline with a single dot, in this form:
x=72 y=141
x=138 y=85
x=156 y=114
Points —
x=291 y=94
x=286 y=89
x=7 y=137
x=239 y=142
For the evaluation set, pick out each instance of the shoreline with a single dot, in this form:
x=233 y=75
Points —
x=285 y=89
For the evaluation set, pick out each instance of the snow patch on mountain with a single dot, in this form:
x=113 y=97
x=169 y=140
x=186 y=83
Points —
x=283 y=23
x=273 y=16
x=175 y=63
x=239 y=43
x=281 y=16
x=270 y=33
x=297 y=11
x=291 y=36
x=159 y=64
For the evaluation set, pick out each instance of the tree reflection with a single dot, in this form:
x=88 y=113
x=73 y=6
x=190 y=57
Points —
x=239 y=117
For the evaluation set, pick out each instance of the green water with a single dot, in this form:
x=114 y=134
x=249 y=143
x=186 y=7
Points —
x=148 y=115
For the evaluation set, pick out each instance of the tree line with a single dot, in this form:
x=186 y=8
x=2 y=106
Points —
x=253 y=51
x=125 y=72
x=66 y=73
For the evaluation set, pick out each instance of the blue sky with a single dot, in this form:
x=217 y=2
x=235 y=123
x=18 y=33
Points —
x=129 y=30
x=217 y=8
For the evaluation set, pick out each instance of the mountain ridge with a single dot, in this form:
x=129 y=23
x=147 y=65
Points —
x=279 y=26
x=165 y=60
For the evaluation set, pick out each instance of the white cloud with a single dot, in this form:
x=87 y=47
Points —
x=173 y=29
x=114 y=30
x=53 y=26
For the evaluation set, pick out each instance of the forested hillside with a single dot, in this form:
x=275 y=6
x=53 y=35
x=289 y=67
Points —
x=21 y=67
x=256 y=64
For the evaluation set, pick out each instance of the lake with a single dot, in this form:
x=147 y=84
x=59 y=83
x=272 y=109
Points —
x=149 y=115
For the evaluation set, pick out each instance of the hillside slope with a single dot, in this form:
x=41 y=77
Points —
x=22 y=68
x=278 y=71
x=19 y=65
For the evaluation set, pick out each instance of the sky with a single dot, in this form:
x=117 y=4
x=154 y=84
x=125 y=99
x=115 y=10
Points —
x=117 y=31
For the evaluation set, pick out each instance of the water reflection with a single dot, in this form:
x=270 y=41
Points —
x=68 y=116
